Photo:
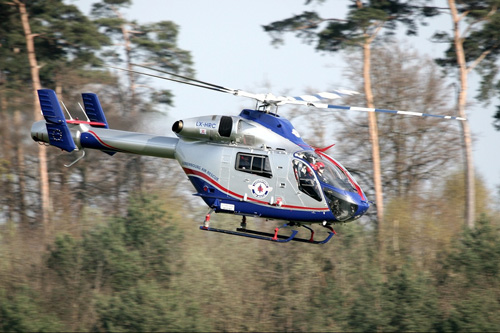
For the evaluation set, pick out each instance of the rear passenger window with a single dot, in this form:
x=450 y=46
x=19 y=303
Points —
x=255 y=164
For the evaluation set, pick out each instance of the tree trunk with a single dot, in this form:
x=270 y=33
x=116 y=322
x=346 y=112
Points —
x=35 y=77
x=128 y=52
x=21 y=175
x=470 y=204
x=373 y=128
x=7 y=164
x=64 y=195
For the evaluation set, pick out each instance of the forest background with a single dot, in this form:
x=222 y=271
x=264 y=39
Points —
x=115 y=247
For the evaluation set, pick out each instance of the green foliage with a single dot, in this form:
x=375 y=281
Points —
x=475 y=311
x=409 y=302
x=64 y=37
x=362 y=22
x=157 y=42
x=14 y=65
x=364 y=313
x=163 y=97
x=477 y=256
x=22 y=311
x=148 y=230
x=108 y=260
x=496 y=122
x=121 y=253
x=470 y=279
x=65 y=257
x=481 y=32
x=144 y=307
x=148 y=307
x=66 y=45
x=123 y=259
x=138 y=273
x=154 y=44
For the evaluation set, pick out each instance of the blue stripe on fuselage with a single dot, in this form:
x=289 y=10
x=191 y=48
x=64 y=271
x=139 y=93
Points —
x=276 y=124
x=213 y=197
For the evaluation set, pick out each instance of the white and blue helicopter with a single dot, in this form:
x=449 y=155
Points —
x=258 y=165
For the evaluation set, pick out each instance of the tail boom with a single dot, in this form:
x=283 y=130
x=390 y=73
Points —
x=73 y=134
x=109 y=140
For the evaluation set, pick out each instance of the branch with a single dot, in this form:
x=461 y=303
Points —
x=377 y=30
x=492 y=11
x=433 y=7
x=486 y=52
x=479 y=59
x=312 y=24
x=469 y=27
x=464 y=14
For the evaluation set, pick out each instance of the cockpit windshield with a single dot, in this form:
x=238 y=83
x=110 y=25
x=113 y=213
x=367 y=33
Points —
x=327 y=171
x=320 y=176
x=335 y=182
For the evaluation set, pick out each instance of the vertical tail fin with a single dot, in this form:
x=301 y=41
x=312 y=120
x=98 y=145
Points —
x=93 y=109
x=57 y=128
x=94 y=112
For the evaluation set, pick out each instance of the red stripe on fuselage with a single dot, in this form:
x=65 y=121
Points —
x=240 y=197
x=102 y=142
x=106 y=145
x=353 y=182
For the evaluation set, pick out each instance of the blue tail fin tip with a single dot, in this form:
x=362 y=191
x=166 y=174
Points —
x=93 y=108
x=51 y=109
x=57 y=128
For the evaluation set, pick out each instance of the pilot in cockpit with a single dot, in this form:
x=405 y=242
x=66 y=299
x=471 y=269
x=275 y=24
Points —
x=320 y=169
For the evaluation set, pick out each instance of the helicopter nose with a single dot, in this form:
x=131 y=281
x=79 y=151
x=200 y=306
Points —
x=362 y=208
x=178 y=126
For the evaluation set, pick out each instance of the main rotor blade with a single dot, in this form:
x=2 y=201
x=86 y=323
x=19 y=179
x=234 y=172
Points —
x=174 y=80
x=201 y=84
x=185 y=78
x=237 y=92
x=270 y=99
x=354 y=108
x=267 y=98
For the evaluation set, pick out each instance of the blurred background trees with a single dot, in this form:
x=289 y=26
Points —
x=119 y=251
x=473 y=45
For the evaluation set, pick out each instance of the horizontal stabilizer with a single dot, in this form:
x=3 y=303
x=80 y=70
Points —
x=57 y=128
x=93 y=109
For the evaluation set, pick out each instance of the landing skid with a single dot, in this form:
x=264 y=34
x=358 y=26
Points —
x=310 y=241
x=255 y=235
x=272 y=237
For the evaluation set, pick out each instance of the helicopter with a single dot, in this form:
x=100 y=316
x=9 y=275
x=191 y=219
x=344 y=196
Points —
x=252 y=165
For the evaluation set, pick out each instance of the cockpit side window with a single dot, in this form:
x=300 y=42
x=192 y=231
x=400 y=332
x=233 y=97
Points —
x=255 y=164
x=306 y=180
